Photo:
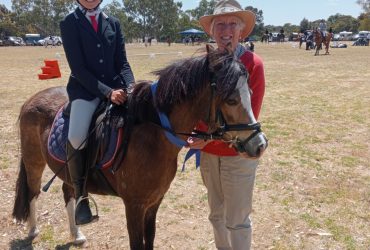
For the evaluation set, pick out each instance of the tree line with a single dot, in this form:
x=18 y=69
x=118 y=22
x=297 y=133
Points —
x=153 y=18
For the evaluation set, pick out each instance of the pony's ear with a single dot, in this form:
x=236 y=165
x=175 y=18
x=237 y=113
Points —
x=209 y=48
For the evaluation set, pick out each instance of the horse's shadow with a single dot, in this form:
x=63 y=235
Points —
x=26 y=244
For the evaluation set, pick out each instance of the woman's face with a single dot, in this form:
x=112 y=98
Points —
x=89 y=4
x=226 y=30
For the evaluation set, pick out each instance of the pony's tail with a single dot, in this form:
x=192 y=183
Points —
x=21 y=209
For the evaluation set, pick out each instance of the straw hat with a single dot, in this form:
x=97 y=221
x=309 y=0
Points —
x=230 y=8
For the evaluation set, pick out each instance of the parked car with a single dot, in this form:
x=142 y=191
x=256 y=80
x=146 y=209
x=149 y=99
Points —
x=31 y=39
x=50 y=40
x=12 y=41
x=336 y=37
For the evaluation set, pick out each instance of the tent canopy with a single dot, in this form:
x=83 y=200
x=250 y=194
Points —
x=191 y=32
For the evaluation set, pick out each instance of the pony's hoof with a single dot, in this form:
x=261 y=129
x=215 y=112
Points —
x=33 y=232
x=79 y=239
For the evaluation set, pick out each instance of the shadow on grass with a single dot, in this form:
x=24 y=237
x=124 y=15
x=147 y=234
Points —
x=26 y=244
x=65 y=246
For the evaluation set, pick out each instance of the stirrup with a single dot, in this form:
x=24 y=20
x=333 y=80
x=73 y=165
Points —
x=95 y=217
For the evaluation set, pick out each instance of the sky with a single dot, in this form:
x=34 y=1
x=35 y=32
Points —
x=279 y=12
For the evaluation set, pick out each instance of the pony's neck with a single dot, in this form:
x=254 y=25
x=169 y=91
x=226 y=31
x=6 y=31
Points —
x=185 y=116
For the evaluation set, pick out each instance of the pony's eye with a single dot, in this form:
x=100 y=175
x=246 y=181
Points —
x=231 y=102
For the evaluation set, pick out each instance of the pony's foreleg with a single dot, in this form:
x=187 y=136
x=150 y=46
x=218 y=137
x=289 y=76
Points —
x=135 y=225
x=149 y=231
x=76 y=234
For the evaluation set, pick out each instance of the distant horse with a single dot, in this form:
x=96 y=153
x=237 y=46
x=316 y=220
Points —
x=281 y=37
x=319 y=40
x=211 y=87
x=265 y=38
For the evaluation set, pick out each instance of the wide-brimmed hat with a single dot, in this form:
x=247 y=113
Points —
x=230 y=8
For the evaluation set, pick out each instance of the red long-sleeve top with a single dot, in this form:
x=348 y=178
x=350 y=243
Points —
x=254 y=65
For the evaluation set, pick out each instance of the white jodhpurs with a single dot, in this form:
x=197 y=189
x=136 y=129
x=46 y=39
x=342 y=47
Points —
x=79 y=121
x=229 y=181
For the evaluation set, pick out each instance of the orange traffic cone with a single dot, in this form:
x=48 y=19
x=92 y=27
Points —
x=50 y=70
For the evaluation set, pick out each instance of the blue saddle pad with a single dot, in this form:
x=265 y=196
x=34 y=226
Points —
x=58 y=139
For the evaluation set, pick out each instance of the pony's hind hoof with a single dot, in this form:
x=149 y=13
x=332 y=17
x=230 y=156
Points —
x=79 y=239
x=34 y=231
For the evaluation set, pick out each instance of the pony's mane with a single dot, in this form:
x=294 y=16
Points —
x=184 y=79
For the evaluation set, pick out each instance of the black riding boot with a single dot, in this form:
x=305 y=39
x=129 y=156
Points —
x=76 y=167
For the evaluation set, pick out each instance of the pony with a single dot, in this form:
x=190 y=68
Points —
x=210 y=87
x=265 y=38
x=281 y=37
x=320 y=39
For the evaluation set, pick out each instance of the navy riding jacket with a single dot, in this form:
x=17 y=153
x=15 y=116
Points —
x=97 y=60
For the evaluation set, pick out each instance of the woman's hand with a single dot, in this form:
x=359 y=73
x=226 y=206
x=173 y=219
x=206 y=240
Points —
x=197 y=143
x=118 y=96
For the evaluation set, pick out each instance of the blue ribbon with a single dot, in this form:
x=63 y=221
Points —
x=165 y=123
x=189 y=154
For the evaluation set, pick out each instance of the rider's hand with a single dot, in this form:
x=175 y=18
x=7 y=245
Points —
x=118 y=96
x=197 y=143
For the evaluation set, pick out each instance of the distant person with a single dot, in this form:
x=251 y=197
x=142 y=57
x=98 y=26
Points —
x=322 y=28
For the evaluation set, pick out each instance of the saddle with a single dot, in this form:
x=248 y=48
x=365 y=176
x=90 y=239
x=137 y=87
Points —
x=106 y=143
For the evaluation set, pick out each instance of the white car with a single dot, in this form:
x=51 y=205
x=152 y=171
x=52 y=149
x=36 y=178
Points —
x=50 y=40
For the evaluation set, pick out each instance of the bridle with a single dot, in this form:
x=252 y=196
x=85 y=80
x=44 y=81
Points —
x=221 y=131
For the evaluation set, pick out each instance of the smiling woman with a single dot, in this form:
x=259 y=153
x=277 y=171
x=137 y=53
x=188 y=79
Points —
x=228 y=176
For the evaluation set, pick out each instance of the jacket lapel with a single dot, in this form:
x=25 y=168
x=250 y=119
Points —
x=103 y=23
x=85 y=23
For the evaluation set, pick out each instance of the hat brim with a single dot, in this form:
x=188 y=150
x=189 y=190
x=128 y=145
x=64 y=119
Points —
x=247 y=17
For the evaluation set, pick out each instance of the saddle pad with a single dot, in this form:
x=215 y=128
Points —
x=58 y=139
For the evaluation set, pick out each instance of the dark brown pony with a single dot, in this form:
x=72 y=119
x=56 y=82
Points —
x=319 y=40
x=186 y=95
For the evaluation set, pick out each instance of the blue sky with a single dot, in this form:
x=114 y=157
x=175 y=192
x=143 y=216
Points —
x=279 y=12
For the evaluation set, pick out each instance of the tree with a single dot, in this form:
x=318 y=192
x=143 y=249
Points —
x=156 y=18
x=41 y=16
x=364 y=19
x=129 y=27
x=204 y=8
x=304 y=25
x=7 y=24
x=341 y=22
x=365 y=4
x=259 y=27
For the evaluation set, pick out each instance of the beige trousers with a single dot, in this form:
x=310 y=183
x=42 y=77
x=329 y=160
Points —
x=229 y=181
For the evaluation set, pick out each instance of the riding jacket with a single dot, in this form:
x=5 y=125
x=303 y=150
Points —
x=97 y=60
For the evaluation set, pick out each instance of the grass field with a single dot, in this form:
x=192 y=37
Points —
x=313 y=183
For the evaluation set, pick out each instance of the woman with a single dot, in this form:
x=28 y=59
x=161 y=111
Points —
x=95 y=51
x=229 y=177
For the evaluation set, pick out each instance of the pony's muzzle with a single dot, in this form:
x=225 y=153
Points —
x=253 y=146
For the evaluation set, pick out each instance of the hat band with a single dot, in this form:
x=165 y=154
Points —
x=225 y=10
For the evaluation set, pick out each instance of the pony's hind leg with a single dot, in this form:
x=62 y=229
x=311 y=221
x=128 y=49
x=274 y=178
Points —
x=32 y=165
x=76 y=234
x=27 y=191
